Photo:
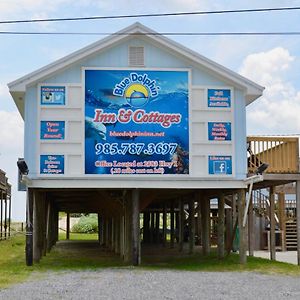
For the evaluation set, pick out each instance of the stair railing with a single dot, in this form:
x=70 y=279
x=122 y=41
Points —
x=261 y=204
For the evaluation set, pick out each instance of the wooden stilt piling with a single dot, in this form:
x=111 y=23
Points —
x=250 y=228
x=191 y=225
x=29 y=228
x=272 y=224
x=181 y=224
x=164 y=235
x=221 y=226
x=242 y=230
x=282 y=220
x=157 y=226
x=136 y=258
x=172 y=221
x=68 y=227
x=205 y=219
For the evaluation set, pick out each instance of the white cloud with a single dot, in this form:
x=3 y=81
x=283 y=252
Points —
x=267 y=67
x=186 y=5
x=14 y=7
x=27 y=9
x=42 y=9
x=278 y=110
x=230 y=50
x=3 y=90
x=144 y=6
x=11 y=133
x=8 y=163
x=11 y=147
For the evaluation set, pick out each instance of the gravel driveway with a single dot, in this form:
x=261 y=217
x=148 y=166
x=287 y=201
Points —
x=129 y=283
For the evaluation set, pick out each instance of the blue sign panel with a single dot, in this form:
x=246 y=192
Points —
x=220 y=165
x=136 y=122
x=52 y=130
x=53 y=95
x=219 y=131
x=218 y=98
x=52 y=164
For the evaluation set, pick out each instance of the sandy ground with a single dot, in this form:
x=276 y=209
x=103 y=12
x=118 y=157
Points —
x=287 y=256
x=128 y=283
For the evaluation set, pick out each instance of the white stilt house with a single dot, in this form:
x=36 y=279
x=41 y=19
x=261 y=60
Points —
x=134 y=123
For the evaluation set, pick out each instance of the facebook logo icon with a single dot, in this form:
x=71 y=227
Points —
x=220 y=165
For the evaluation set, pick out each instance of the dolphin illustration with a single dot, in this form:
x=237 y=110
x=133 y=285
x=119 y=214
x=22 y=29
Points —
x=94 y=130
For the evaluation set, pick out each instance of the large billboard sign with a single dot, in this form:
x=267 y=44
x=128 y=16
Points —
x=136 y=122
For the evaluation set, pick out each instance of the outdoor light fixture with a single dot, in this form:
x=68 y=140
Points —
x=254 y=161
x=23 y=168
x=263 y=167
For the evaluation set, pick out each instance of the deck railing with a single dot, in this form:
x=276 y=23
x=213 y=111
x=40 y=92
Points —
x=2 y=178
x=280 y=153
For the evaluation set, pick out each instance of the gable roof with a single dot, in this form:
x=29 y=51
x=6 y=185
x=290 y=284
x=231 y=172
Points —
x=17 y=88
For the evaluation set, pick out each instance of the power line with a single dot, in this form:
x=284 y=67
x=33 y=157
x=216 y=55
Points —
x=287 y=33
x=153 y=15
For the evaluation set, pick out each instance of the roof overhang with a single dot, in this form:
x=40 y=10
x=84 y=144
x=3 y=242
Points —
x=18 y=87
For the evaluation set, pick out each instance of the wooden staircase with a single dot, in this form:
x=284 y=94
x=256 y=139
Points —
x=291 y=235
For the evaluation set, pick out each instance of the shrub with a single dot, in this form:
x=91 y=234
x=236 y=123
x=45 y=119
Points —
x=86 y=224
x=76 y=215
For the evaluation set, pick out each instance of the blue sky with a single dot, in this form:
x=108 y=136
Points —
x=272 y=61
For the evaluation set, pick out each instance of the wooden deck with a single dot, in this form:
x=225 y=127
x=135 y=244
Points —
x=280 y=153
x=280 y=178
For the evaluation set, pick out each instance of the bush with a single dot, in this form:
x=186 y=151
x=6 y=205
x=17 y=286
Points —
x=86 y=224
x=76 y=215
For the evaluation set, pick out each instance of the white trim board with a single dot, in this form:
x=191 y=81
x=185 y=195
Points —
x=146 y=183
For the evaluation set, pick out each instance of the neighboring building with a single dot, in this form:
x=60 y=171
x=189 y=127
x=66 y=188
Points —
x=5 y=206
x=131 y=124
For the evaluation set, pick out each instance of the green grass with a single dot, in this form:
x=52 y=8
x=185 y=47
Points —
x=83 y=256
x=79 y=236
x=212 y=263
x=12 y=265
